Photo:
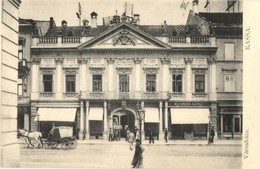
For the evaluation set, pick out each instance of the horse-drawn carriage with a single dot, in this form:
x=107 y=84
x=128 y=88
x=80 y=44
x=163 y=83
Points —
x=61 y=135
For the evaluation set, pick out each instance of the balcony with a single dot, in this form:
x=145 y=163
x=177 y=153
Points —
x=23 y=100
x=191 y=42
x=229 y=95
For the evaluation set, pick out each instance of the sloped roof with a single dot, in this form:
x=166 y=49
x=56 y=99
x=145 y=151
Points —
x=154 y=30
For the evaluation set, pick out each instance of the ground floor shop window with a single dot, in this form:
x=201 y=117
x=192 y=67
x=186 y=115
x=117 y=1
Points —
x=189 y=131
x=227 y=122
x=96 y=128
x=155 y=129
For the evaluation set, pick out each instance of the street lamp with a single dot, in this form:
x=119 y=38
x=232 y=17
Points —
x=140 y=117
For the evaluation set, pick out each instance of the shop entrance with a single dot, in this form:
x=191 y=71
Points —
x=123 y=120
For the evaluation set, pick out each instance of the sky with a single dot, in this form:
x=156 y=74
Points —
x=152 y=12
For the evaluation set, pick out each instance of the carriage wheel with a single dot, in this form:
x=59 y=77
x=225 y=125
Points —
x=65 y=143
x=73 y=144
x=54 y=144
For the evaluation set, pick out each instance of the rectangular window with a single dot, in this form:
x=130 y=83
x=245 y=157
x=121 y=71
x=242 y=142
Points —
x=20 y=89
x=124 y=83
x=229 y=83
x=47 y=83
x=70 y=83
x=229 y=51
x=151 y=83
x=199 y=83
x=97 y=83
x=227 y=122
x=177 y=83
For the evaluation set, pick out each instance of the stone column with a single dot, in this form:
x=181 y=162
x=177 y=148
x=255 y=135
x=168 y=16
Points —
x=81 y=128
x=165 y=76
x=142 y=129
x=34 y=122
x=213 y=76
x=83 y=76
x=110 y=62
x=213 y=118
x=105 y=134
x=35 y=78
x=87 y=122
x=166 y=115
x=161 y=133
x=188 y=62
x=137 y=62
x=221 y=125
x=59 y=88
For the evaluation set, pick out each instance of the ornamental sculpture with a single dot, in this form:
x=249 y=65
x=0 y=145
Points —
x=124 y=39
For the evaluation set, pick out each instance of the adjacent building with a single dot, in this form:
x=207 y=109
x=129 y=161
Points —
x=9 y=148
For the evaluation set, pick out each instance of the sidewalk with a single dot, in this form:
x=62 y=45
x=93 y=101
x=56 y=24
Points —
x=170 y=142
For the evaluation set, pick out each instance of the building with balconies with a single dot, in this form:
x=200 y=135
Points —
x=94 y=77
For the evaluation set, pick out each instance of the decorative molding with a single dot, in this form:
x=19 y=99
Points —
x=177 y=63
x=59 y=61
x=151 y=70
x=151 y=62
x=124 y=70
x=124 y=62
x=70 y=62
x=188 y=60
x=97 y=62
x=199 y=63
x=36 y=61
x=212 y=60
x=137 y=60
x=124 y=38
x=70 y=94
x=176 y=71
x=82 y=60
x=97 y=70
x=199 y=71
x=110 y=60
x=47 y=62
x=96 y=94
x=71 y=70
x=47 y=70
x=165 y=61
x=47 y=94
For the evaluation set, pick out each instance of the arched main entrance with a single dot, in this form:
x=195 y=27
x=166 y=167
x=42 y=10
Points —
x=121 y=119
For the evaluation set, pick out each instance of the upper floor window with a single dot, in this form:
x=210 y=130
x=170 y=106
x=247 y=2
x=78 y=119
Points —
x=199 y=83
x=97 y=83
x=123 y=83
x=229 y=83
x=70 y=83
x=176 y=81
x=47 y=82
x=229 y=51
x=151 y=83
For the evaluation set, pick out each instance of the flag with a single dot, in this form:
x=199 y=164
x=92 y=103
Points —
x=79 y=9
x=207 y=3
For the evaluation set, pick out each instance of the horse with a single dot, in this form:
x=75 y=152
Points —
x=29 y=135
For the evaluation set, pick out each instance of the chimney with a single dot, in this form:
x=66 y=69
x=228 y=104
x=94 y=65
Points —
x=137 y=19
x=195 y=6
x=51 y=22
x=85 y=23
x=93 y=19
x=64 y=23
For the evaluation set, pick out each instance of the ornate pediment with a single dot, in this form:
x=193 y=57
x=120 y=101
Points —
x=124 y=38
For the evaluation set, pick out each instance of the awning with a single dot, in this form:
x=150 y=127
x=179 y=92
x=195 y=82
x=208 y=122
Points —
x=189 y=116
x=57 y=114
x=151 y=115
x=96 y=113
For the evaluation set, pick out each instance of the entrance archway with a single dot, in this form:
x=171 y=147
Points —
x=121 y=119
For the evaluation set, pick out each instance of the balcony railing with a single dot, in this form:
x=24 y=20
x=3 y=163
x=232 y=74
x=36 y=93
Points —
x=48 y=40
x=203 y=39
x=70 y=39
x=177 y=39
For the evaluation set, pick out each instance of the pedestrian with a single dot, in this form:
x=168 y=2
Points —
x=110 y=137
x=131 y=140
x=151 y=139
x=212 y=134
x=137 y=161
x=127 y=134
x=137 y=135
x=166 y=135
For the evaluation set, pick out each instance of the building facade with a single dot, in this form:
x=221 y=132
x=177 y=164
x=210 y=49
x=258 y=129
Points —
x=9 y=148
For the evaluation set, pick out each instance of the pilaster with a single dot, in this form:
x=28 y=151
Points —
x=137 y=62
x=59 y=62
x=35 y=78
x=87 y=121
x=212 y=94
x=105 y=132
x=165 y=64
x=188 y=62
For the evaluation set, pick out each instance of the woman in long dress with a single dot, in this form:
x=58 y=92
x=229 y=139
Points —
x=137 y=161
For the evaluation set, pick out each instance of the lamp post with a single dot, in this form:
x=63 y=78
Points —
x=38 y=119
x=209 y=141
x=140 y=117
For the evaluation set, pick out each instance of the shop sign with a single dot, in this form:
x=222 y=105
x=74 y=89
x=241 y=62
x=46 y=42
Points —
x=197 y=104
